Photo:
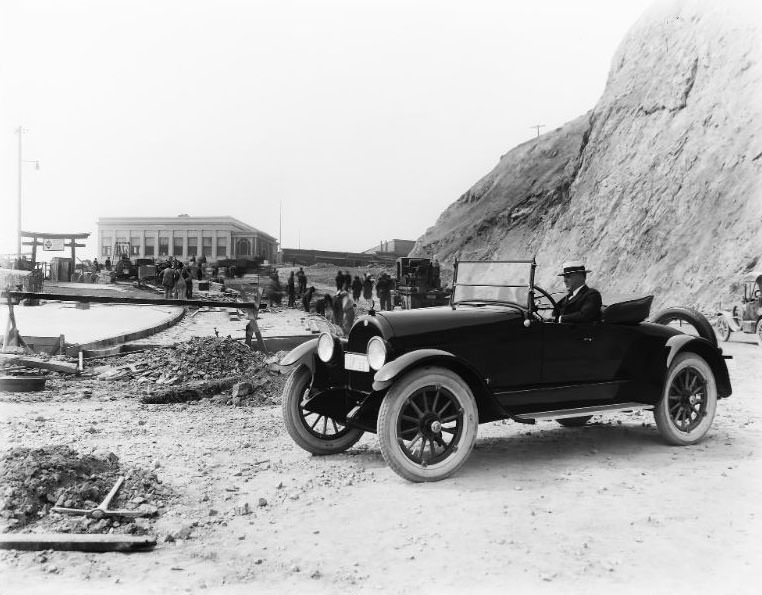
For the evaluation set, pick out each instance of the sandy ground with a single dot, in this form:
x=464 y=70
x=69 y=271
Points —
x=541 y=509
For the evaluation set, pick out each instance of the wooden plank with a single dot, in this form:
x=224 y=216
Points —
x=29 y=362
x=79 y=542
x=110 y=299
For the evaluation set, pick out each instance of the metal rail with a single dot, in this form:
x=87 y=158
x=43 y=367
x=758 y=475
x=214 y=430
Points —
x=109 y=299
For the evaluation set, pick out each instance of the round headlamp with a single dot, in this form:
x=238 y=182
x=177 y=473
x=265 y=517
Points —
x=325 y=347
x=376 y=353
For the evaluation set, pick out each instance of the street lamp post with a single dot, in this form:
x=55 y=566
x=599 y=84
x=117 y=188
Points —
x=20 y=131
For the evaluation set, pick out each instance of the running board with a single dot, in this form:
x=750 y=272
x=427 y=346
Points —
x=581 y=411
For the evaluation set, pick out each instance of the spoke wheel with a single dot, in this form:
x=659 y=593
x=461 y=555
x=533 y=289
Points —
x=427 y=424
x=688 y=404
x=723 y=329
x=314 y=432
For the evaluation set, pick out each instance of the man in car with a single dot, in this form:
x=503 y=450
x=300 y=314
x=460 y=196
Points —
x=582 y=303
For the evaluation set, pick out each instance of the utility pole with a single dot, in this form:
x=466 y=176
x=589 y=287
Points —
x=280 y=226
x=20 y=131
x=538 y=126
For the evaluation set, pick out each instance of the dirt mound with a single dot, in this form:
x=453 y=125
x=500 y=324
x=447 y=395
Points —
x=199 y=368
x=33 y=480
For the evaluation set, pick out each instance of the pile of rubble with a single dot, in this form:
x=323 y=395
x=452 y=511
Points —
x=198 y=368
x=33 y=481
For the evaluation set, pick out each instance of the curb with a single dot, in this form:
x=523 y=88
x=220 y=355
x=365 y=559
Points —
x=102 y=344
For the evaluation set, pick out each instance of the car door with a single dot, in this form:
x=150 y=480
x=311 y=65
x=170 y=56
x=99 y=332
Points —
x=570 y=353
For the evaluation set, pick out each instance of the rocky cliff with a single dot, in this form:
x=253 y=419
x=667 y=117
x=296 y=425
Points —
x=659 y=187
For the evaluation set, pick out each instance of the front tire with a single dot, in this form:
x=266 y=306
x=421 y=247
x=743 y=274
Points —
x=317 y=434
x=427 y=424
x=723 y=329
x=687 y=407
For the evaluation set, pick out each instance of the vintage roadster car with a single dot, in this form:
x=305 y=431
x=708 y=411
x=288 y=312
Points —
x=424 y=379
x=747 y=316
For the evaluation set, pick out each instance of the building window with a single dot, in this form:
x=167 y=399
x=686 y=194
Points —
x=243 y=247
x=135 y=245
x=149 y=246
x=206 y=248
x=177 y=246
x=163 y=244
x=192 y=244
x=106 y=245
x=222 y=247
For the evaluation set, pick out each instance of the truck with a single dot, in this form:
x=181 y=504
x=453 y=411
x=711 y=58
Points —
x=418 y=284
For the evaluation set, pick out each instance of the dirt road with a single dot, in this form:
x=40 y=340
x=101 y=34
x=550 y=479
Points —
x=545 y=509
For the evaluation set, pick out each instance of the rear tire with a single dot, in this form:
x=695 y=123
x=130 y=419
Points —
x=689 y=401
x=690 y=316
x=315 y=433
x=574 y=422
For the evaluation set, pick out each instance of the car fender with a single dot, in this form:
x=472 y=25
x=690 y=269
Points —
x=688 y=343
x=488 y=408
x=302 y=354
x=729 y=318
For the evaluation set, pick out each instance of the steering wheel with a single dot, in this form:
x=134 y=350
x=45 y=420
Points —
x=543 y=305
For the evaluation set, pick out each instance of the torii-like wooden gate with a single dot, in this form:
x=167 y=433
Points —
x=38 y=239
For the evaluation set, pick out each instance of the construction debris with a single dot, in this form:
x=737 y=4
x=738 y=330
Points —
x=8 y=359
x=33 y=481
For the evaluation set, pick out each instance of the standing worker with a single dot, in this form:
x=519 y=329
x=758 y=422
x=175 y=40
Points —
x=291 y=286
x=168 y=281
x=356 y=288
x=302 y=281
x=180 y=285
x=339 y=280
x=367 y=287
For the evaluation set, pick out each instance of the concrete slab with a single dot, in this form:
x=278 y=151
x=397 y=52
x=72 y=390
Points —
x=97 y=323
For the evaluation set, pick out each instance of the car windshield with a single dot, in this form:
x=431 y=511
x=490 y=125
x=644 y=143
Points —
x=492 y=282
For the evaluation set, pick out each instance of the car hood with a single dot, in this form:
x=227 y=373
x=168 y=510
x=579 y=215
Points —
x=426 y=320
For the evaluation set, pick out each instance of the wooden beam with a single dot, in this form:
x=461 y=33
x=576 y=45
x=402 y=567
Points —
x=39 y=364
x=56 y=236
x=76 y=542
x=110 y=299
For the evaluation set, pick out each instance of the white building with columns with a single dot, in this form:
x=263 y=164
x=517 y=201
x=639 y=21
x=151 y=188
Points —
x=184 y=236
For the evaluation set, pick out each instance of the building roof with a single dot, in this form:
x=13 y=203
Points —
x=185 y=219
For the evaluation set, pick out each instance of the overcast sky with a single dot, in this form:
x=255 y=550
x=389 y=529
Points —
x=365 y=119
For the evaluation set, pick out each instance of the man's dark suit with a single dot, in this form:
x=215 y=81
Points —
x=583 y=307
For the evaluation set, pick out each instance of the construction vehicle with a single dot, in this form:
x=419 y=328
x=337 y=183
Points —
x=418 y=284
x=124 y=268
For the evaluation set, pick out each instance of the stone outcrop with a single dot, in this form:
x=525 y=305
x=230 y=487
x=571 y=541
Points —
x=659 y=186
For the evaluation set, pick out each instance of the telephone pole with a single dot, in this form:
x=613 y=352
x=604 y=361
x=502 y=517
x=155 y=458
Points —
x=538 y=126
x=20 y=131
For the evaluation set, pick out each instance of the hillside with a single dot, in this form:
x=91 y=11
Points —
x=659 y=186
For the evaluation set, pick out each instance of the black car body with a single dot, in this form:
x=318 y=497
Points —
x=493 y=353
